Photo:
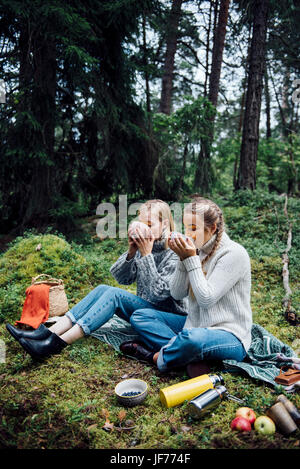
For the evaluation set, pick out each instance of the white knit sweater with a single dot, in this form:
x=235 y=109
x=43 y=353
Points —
x=222 y=296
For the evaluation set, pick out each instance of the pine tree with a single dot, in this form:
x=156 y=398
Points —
x=250 y=137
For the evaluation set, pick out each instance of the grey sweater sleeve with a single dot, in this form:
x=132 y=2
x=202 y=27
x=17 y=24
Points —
x=158 y=278
x=123 y=270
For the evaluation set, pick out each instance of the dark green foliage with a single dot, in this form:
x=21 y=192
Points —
x=70 y=125
x=80 y=122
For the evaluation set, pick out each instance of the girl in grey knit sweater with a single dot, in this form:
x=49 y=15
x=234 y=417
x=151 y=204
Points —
x=148 y=261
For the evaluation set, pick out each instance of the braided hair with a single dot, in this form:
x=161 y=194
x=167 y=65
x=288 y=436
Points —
x=211 y=214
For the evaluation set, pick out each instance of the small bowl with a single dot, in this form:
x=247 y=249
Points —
x=131 y=385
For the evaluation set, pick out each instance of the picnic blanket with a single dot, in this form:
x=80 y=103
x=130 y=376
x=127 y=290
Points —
x=115 y=332
x=265 y=357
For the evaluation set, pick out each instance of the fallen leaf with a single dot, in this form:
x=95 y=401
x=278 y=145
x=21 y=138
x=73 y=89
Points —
x=122 y=415
x=108 y=426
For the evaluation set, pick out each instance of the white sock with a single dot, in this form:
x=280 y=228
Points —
x=73 y=334
x=61 y=326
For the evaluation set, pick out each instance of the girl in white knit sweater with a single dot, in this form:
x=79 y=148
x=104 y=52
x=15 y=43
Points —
x=215 y=272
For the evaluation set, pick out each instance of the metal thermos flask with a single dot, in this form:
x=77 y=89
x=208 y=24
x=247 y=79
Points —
x=185 y=390
x=209 y=399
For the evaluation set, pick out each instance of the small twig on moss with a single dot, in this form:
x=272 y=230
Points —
x=290 y=316
x=278 y=226
x=286 y=302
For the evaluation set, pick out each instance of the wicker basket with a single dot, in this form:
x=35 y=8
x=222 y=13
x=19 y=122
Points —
x=58 y=302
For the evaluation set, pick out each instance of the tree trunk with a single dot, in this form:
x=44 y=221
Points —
x=204 y=176
x=208 y=45
x=250 y=137
x=240 y=127
x=287 y=131
x=271 y=185
x=242 y=111
x=217 y=53
x=183 y=168
x=148 y=101
x=167 y=79
x=42 y=186
x=268 y=106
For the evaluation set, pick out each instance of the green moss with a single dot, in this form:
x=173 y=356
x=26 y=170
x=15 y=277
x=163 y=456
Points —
x=21 y=262
x=59 y=403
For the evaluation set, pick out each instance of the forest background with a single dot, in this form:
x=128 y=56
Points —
x=152 y=99
x=145 y=98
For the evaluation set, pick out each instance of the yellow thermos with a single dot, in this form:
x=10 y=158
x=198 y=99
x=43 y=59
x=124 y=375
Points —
x=176 y=394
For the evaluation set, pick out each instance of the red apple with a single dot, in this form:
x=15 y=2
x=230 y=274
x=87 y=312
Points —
x=241 y=424
x=247 y=413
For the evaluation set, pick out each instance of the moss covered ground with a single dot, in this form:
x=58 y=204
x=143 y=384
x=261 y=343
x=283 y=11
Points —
x=68 y=401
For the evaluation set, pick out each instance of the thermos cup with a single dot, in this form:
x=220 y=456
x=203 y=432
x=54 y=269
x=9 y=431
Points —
x=200 y=405
x=185 y=390
x=283 y=420
x=176 y=234
x=290 y=407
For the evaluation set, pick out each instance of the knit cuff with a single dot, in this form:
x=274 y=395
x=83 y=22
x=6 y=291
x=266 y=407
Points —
x=192 y=263
x=181 y=266
x=148 y=261
x=129 y=260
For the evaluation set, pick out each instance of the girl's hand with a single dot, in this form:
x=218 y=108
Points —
x=183 y=248
x=132 y=247
x=144 y=244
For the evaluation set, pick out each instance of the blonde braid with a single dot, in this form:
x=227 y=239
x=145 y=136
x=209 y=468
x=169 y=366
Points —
x=219 y=231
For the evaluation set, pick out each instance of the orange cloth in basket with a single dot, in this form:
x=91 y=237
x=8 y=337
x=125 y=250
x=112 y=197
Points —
x=36 y=306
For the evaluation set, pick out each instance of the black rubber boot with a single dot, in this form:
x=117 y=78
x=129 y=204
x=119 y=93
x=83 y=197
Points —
x=41 y=333
x=40 y=349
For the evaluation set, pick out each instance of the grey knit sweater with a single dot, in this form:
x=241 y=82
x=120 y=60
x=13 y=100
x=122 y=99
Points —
x=222 y=296
x=152 y=274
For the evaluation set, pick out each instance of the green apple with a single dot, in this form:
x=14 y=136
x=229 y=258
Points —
x=264 y=425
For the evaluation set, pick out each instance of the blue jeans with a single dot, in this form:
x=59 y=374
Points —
x=182 y=346
x=96 y=308
x=160 y=330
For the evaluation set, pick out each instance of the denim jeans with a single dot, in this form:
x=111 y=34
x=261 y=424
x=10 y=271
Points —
x=160 y=330
x=179 y=346
x=96 y=308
